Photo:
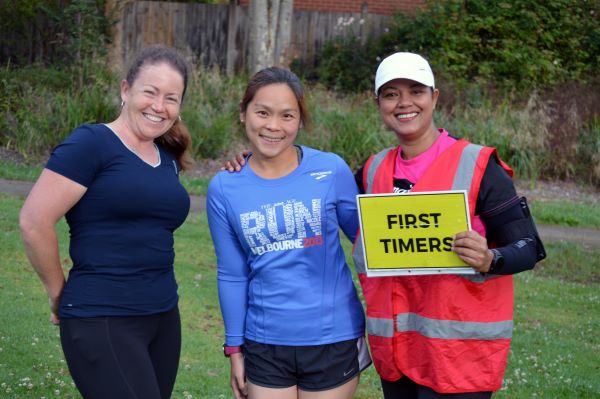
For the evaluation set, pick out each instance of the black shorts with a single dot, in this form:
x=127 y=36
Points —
x=311 y=368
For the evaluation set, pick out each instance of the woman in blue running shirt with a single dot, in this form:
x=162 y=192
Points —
x=118 y=186
x=294 y=326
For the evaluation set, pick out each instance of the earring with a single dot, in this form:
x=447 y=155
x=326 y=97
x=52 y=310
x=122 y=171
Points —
x=179 y=116
x=122 y=103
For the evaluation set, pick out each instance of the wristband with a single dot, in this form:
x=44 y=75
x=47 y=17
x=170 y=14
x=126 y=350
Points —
x=230 y=350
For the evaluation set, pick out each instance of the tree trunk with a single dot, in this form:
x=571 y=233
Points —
x=113 y=9
x=270 y=33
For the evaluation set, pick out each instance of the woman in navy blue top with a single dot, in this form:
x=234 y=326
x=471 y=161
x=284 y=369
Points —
x=118 y=186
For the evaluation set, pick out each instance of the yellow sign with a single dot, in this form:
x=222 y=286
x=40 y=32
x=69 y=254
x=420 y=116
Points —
x=412 y=233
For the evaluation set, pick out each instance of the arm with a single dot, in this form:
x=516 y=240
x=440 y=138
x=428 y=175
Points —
x=49 y=200
x=346 y=191
x=232 y=280
x=238 y=376
x=508 y=224
x=358 y=178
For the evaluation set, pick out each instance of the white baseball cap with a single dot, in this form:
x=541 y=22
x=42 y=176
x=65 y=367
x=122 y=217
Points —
x=404 y=66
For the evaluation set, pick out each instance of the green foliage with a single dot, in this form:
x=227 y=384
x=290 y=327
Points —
x=520 y=44
x=86 y=34
x=57 y=32
x=588 y=151
x=211 y=112
x=40 y=106
x=546 y=137
x=347 y=66
x=520 y=134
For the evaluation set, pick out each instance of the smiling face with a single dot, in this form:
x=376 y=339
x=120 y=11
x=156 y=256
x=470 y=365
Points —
x=406 y=107
x=272 y=120
x=152 y=103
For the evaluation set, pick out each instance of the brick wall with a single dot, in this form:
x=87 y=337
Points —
x=385 y=7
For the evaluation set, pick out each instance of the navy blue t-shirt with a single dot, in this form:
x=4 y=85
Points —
x=122 y=228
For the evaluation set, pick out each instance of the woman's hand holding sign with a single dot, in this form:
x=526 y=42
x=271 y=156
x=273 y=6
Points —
x=472 y=248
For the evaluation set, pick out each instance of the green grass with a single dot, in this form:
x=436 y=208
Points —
x=195 y=185
x=554 y=353
x=15 y=171
x=567 y=213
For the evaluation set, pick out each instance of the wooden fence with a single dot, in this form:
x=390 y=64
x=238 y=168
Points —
x=217 y=35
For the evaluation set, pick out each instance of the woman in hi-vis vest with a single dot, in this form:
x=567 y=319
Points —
x=434 y=335
x=447 y=335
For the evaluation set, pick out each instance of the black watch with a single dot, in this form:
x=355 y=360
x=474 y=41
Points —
x=497 y=262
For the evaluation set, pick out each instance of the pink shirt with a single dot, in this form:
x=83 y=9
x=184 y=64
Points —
x=413 y=169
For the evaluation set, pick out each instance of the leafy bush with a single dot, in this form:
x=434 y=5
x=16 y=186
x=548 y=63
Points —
x=211 y=113
x=524 y=44
x=347 y=66
x=53 y=32
x=40 y=106
x=519 y=44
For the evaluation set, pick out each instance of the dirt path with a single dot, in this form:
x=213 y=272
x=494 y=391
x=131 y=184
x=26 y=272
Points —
x=549 y=233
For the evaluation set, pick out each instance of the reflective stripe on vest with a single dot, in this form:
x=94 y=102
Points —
x=462 y=178
x=380 y=327
x=442 y=329
x=466 y=167
x=358 y=253
x=377 y=159
x=450 y=329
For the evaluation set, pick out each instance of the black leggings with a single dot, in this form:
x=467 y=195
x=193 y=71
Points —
x=123 y=357
x=406 y=388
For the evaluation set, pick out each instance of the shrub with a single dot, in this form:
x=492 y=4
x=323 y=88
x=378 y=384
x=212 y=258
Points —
x=520 y=44
x=40 y=106
x=211 y=113
x=53 y=32
x=345 y=65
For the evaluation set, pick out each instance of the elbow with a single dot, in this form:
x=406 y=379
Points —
x=27 y=224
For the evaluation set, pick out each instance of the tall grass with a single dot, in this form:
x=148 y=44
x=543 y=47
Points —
x=519 y=134
x=39 y=107
x=349 y=126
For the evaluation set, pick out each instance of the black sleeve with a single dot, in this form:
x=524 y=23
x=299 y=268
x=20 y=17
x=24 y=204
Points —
x=507 y=225
x=358 y=177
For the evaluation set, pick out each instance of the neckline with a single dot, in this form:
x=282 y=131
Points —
x=134 y=152
x=282 y=179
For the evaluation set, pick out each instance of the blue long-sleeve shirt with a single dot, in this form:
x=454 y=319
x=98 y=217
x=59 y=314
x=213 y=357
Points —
x=282 y=274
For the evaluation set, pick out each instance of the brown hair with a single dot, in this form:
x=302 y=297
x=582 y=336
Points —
x=177 y=139
x=276 y=75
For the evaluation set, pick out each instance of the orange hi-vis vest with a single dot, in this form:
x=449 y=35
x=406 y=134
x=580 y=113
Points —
x=448 y=332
